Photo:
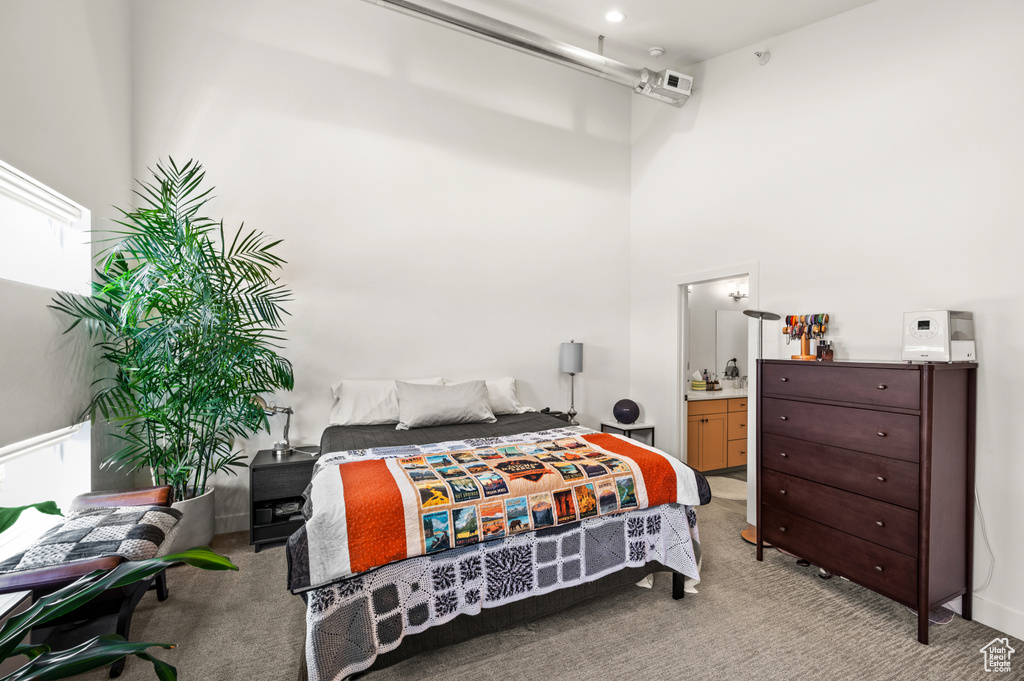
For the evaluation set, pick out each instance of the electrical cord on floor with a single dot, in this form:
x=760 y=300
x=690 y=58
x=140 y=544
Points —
x=988 y=546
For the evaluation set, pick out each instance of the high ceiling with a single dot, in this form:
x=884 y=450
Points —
x=689 y=30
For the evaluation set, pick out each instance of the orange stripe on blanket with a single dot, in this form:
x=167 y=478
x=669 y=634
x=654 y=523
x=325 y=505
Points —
x=659 y=476
x=375 y=514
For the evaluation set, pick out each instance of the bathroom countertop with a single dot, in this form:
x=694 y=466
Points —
x=724 y=393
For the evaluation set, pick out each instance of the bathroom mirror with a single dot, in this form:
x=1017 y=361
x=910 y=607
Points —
x=730 y=341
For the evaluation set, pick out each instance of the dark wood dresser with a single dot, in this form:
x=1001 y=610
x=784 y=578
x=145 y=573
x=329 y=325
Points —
x=867 y=470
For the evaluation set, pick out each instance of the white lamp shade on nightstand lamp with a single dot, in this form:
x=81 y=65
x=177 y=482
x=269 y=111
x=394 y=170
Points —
x=570 y=358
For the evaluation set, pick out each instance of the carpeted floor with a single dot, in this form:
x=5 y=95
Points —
x=750 y=620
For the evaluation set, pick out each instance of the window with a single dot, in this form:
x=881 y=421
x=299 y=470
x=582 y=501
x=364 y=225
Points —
x=45 y=236
x=52 y=467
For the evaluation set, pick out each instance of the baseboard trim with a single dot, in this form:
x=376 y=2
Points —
x=999 y=617
x=231 y=523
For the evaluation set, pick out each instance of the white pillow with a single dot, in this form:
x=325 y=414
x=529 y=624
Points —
x=503 y=397
x=438 y=405
x=368 y=403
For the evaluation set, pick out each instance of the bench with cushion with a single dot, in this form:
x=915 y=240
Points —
x=94 y=526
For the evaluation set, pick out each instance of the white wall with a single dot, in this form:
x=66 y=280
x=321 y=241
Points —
x=65 y=119
x=448 y=206
x=872 y=167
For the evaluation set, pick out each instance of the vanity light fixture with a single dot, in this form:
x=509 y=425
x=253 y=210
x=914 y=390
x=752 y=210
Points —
x=615 y=16
x=739 y=292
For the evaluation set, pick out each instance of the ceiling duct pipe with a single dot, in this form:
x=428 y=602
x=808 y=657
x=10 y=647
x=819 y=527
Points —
x=666 y=86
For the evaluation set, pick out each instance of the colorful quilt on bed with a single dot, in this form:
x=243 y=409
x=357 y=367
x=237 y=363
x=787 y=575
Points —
x=376 y=507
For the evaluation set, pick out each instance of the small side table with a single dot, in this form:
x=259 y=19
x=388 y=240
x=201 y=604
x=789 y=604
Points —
x=628 y=429
x=273 y=481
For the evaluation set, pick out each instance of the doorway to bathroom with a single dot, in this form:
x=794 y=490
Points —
x=716 y=338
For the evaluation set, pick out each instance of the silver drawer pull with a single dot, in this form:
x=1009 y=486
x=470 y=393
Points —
x=880 y=478
x=879 y=523
x=782 y=491
x=879 y=568
x=882 y=386
x=782 y=529
x=880 y=434
x=783 y=454
x=783 y=418
x=783 y=379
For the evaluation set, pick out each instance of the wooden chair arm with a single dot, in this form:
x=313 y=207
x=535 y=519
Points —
x=147 y=496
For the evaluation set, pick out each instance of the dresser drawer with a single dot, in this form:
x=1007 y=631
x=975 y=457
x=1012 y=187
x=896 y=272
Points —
x=888 y=572
x=885 y=524
x=738 y=404
x=865 y=430
x=881 y=387
x=280 y=482
x=878 y=477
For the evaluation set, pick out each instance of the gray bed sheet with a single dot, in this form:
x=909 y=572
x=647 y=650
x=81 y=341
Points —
x=344 y=438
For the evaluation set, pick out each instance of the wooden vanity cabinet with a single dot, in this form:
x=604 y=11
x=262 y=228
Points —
x=716 y=433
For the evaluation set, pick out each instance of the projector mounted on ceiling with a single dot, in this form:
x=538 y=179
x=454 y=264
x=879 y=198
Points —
x=666 y=86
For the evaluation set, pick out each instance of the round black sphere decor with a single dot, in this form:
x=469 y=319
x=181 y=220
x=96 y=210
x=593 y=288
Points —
x=626 y=411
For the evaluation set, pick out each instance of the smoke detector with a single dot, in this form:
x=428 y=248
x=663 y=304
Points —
x=657 y=51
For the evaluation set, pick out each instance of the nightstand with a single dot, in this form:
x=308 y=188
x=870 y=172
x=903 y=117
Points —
x=560 y=415
x=628 y=429
x=274 y=482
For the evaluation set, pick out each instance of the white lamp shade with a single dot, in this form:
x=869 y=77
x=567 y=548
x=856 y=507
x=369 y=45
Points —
x=570 y=358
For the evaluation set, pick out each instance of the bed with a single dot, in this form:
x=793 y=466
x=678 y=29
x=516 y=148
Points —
x=379 y=585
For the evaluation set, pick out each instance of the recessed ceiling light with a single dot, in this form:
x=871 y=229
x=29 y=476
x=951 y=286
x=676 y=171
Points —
x=615 y=16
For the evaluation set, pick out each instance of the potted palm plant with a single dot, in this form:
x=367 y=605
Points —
x=187 y=323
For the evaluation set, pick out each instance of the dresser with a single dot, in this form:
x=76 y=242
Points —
x=867 y=470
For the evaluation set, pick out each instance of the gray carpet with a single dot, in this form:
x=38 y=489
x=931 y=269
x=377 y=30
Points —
x=770 y=620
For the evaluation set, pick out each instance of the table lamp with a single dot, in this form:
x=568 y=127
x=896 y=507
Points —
x=570 y=361
x=280 y=448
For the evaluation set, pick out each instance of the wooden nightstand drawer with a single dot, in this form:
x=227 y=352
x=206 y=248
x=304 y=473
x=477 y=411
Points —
x=882 y=387
x=865 y=430
x=888 y=572
x=878 y=477
x=280 y=482
x=885 y=524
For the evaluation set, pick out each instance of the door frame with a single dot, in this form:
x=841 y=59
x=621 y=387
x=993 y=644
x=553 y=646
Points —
x=751 y=270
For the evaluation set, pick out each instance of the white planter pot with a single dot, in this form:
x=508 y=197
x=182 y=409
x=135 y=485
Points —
x=197 y=522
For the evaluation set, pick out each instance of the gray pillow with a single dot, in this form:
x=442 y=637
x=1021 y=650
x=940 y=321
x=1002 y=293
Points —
x=438 y=405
